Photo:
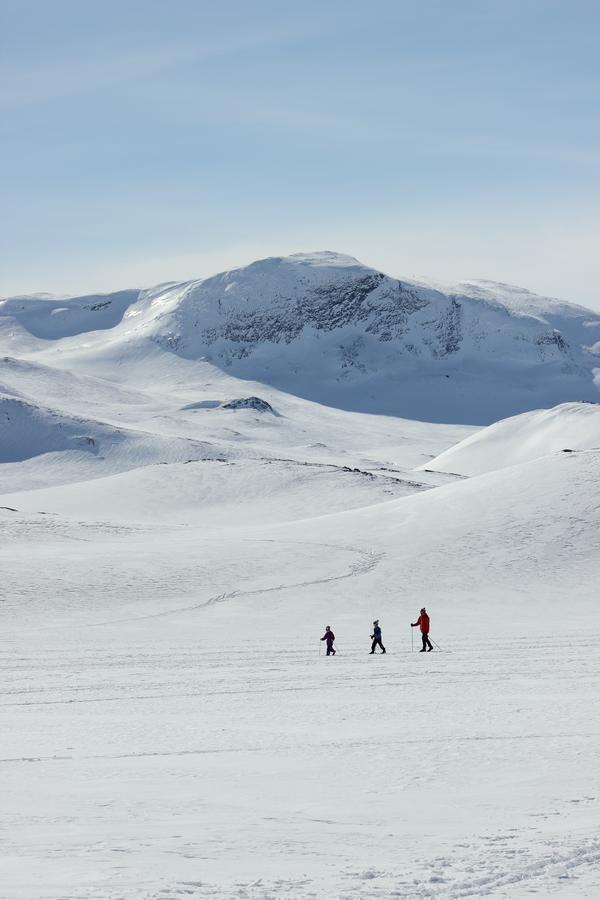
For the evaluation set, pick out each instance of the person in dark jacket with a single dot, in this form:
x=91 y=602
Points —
x=376 y=637
x=329 y=636
x=423 y=623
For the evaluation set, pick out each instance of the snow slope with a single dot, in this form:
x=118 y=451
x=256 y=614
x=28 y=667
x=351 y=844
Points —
x=40 y=446
x=170 y=729
x=49 y=318
x=570 y=426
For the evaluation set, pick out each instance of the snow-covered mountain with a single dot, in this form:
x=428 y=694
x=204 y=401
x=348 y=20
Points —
x=324 y=327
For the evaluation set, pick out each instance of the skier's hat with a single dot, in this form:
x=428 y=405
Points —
x=423 y=609
x=376 y=622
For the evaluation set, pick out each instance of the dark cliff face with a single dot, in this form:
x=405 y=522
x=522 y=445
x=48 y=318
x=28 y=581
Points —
x=369 y=302
x=380 y=304
x=359 y=316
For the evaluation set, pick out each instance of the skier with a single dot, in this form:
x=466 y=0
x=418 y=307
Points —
x=423 y=621
x=329 y=636
x=376 y=637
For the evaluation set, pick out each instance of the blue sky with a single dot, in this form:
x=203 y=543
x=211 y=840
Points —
x=149 y=141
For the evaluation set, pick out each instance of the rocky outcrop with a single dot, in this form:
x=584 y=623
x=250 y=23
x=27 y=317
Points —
x=249 y=403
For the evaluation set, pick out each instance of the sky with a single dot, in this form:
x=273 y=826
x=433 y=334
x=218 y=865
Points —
x=148 y=141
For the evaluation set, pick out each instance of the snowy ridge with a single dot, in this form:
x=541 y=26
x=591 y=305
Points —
x=532 y=435
x=518 y=300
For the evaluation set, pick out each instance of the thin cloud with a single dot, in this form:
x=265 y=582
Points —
x=80 y=75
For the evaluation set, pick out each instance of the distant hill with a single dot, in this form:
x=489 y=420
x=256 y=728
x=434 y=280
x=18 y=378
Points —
x=570 y=427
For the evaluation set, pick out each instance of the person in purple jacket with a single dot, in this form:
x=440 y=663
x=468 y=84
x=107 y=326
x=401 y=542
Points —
x=329 y=636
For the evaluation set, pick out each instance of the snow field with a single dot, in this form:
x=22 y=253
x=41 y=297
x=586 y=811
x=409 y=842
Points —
x=170 y=725
x=172 y=730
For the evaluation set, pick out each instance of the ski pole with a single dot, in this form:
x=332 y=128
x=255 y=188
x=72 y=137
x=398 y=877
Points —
x=436 y=645
x=319 y=648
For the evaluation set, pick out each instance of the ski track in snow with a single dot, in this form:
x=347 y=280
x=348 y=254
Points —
x=494 y=855
x=367 y=560
x=556 y=863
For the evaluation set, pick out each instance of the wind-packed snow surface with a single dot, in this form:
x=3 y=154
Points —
x=174 y=539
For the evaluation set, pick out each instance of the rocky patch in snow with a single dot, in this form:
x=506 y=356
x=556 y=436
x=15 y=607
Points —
x=249 y=403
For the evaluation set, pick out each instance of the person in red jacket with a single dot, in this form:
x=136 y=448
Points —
x=329 y=636
x=423 y=622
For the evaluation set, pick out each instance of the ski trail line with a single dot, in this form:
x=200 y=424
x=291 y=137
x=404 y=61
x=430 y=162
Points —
x=367 y=561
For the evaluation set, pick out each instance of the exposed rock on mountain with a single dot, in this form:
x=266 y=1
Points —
x=249 y=403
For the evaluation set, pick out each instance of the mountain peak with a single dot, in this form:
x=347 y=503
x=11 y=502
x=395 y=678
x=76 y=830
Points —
x=325 y=258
